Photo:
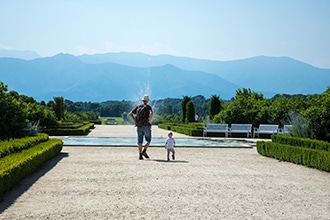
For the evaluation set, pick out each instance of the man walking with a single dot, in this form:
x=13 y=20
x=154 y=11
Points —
x=142 y=116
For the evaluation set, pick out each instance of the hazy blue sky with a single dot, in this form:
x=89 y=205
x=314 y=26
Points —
x=208 y=29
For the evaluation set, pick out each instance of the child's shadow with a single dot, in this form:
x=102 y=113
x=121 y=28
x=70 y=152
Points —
x=171 y=161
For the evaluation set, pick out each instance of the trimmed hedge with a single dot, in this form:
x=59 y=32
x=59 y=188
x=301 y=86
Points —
x=16 y=166
x=301 y=142
x=17 y=145
x=300 y=155
x=191 y=129
x=82 y=130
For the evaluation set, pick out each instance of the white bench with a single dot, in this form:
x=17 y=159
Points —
x=241 y=128
x=266 y=129
x=215 y=128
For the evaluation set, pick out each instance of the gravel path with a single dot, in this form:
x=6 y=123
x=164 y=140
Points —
x=202 y=183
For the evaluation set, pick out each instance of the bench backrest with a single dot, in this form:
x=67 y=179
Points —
x=211 y=126
x=241 y=127
x=268 y=127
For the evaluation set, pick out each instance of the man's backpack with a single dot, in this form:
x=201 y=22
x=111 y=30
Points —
x=142 y=116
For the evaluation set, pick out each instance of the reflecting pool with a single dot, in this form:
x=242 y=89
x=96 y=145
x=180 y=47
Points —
x=180 y=142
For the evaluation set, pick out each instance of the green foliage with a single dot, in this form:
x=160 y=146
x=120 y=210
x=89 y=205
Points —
x=17 y=145
x=17 y=112
x=311 y=113
x=301 y=142
x=157 y=119
x=299 y=155
x=301 y=127
x=201 y=105
x=16 y=166
x=247 y=108
x=191 y=129
x=318 y=113
x=215 y=106
x=185 y=100
x=59 y=107
x=115 y=109
x=190 y=112
x=13 y=118
x=83 y=129
x=37 y=113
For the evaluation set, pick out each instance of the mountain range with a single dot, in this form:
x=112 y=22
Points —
x=127 y=76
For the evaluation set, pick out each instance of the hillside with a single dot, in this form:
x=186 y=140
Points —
x=127 y=76
x=65 y=75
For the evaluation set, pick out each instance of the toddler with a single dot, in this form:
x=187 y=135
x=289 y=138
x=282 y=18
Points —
x=169 y=145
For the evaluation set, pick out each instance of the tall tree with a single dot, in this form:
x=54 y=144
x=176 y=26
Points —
x=318 y=113
x=190 y=112
x=214 y=106
x=185 y=100
x=12 y=115
x=59 y=107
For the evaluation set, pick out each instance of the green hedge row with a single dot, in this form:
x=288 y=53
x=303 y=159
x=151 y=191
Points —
x=82 y=130
x=306 y=156
x=301 y=142
x=17 y=145
x=16 y=166
x=191 y=129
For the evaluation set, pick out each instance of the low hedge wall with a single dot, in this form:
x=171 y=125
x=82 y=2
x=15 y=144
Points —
x=191 y=129
x=318 y=159
x=17 y=145
x=82 y=130
x=16 y=166
x=301 y=142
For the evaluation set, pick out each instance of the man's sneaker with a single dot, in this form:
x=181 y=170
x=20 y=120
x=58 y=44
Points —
x=144 y=153
x=173 y=157
x=140 y=156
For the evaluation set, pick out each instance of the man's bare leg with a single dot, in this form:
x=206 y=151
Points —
x=144 y=152
x=140 y=151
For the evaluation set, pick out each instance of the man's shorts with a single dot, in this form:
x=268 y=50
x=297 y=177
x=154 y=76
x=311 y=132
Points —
x=143 y=132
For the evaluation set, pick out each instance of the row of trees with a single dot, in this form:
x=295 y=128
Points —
x=19 y=112
x=311 y=113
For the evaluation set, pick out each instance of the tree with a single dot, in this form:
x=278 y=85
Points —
x=190 y=112
x=215 y=106
x=59 y=107
x=13 y=121
x=247 y=108
x=318 y=114
x=185 y=100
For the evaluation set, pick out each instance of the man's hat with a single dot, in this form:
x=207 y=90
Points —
x=145 y=98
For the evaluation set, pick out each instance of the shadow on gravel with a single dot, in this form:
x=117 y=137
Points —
x=171 y=161
x=9 y=197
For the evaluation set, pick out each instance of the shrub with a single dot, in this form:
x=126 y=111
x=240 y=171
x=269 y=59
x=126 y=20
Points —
x=17 y=145
x=191 y=129
x=16 y=166
x=301 y=142
x=300 y=155
x=82 y=130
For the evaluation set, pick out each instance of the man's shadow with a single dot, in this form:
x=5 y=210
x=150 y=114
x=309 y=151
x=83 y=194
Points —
x=10 y=196
x=171 y=161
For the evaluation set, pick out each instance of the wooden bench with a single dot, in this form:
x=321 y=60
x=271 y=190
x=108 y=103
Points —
x=241 y=128
x=266 y=129
x=215 y=128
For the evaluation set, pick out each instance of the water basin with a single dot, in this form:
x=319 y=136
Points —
x=180 y=142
